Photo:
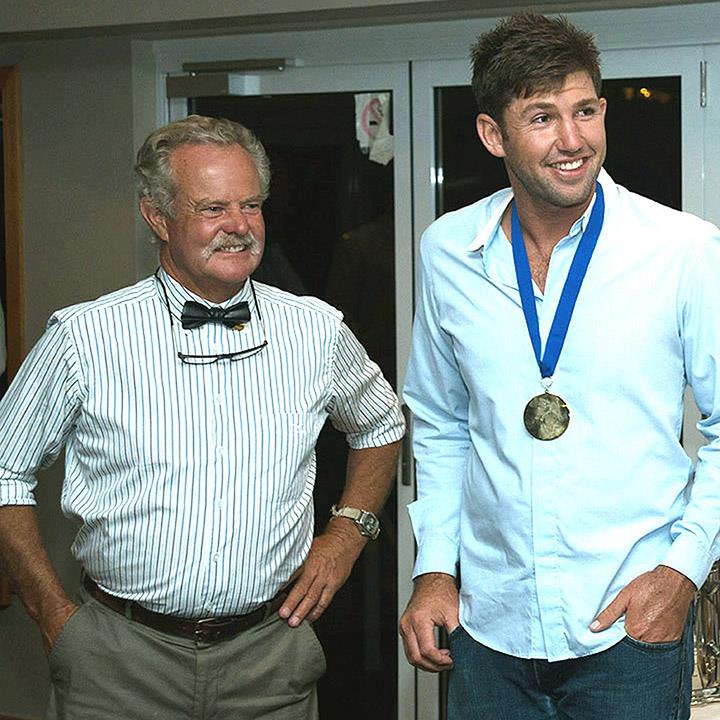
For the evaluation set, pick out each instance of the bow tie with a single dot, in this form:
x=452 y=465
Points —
x=195 y=315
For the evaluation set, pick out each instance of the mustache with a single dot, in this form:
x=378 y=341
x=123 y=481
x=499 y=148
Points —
x=225 y=241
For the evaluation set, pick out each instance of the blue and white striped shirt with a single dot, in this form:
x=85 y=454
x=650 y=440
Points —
x=192 y=484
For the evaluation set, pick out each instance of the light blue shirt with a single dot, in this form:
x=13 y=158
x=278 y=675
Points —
x=192 y=485
x=548 y=532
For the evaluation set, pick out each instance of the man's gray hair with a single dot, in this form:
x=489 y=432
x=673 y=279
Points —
x=153 y=174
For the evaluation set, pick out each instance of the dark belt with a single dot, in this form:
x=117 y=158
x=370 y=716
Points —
x=209 y=629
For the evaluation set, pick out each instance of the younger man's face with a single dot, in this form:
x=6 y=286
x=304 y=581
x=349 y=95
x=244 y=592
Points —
x=553 y=144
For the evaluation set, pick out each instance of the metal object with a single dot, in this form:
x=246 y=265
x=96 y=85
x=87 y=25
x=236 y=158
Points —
x=703 y=83
x=546 y=416
x=211 y=85
x=406 y=460
x=238 y=66
x=707 y=639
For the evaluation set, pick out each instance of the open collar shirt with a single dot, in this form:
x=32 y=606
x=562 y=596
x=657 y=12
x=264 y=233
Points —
x=546 y=533
x=192 y=485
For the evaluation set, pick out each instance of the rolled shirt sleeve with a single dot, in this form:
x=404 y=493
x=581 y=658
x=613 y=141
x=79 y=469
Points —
x=363 y=405
x=37 y=413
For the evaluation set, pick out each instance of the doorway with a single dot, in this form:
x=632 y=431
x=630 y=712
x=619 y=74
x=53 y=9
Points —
x=338 y=227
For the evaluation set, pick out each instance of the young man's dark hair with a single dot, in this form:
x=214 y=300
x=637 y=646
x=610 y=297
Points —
x=529 y=53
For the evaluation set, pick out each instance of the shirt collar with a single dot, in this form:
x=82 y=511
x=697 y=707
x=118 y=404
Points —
x=489 y=229
x=178 y=294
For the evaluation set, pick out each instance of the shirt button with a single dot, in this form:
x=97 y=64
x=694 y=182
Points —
x=216 y=557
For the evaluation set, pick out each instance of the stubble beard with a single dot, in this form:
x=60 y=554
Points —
x=551 y=194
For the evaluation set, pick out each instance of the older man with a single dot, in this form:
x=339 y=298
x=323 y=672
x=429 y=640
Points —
x=189 y=406
x=558 y=325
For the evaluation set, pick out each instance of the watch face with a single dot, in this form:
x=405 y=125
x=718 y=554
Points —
x=370 y=523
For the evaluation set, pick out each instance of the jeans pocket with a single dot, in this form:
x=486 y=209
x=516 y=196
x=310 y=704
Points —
x=653 y=647
x=455 y=633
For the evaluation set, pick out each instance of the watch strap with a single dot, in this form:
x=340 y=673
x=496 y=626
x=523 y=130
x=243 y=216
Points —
x=366 y=521
x=347 y=512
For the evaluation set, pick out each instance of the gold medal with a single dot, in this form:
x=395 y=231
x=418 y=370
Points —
x=546 y=416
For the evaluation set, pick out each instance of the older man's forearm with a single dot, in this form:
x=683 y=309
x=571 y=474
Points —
x=26 y=562
x=369 y=479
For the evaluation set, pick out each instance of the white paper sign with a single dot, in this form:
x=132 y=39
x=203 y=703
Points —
x=372 y=129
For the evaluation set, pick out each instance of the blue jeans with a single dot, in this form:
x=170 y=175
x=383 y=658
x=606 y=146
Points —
x=632 y=680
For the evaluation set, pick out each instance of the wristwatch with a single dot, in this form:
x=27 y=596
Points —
x=367 y=522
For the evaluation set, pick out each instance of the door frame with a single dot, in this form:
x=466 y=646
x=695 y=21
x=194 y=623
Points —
x=12 y=168
x=14 y=275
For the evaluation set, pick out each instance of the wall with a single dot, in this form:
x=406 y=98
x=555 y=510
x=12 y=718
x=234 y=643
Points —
x=77 y=117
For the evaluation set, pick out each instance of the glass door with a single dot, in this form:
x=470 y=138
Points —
x=339 y=227
x=655 y=126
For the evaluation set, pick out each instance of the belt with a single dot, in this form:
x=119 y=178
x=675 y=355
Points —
x=211 y=629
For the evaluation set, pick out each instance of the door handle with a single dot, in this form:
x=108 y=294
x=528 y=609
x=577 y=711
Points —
x=406 y=458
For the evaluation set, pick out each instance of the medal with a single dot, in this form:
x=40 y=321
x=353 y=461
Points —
x=547 y=416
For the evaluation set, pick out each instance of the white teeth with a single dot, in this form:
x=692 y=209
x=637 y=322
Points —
x=568 y=165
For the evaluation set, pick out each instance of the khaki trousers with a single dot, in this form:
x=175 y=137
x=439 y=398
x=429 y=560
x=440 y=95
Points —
x=105 y=667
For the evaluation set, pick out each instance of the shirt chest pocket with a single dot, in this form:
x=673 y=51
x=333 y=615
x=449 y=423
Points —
x=280 y=449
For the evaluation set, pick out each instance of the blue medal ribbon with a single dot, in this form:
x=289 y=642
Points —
x=571 y=289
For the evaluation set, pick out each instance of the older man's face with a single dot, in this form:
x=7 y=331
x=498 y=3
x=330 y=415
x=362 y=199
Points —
x=217 y=235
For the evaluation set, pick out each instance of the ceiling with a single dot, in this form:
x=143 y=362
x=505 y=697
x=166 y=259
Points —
x=176 y=18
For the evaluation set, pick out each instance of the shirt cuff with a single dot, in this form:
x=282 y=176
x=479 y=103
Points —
x=386 y=436
x=689 y=557
x=16 y=491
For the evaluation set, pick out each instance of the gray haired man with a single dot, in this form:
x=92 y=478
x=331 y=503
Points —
x=189 y=406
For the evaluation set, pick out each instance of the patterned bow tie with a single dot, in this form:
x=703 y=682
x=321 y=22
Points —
x=195 y=315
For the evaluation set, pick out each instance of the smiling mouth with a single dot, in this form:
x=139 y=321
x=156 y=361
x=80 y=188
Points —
x=568 y=165
x=232 y=244
x=233 y=248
